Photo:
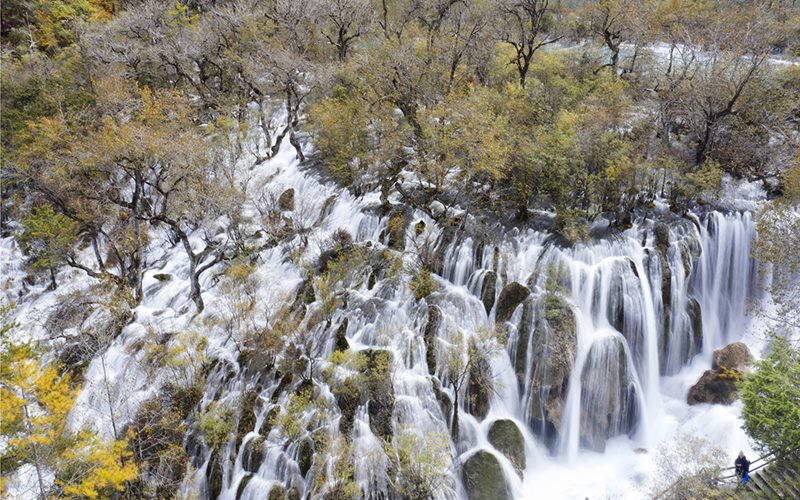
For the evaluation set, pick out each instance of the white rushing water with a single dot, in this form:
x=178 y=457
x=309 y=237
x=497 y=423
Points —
x=599 y=356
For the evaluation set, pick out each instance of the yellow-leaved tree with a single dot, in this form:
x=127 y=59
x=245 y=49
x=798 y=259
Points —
x=35 y=399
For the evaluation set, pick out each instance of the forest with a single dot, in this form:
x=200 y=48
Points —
x=136 y=134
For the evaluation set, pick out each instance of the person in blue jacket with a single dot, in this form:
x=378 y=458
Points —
x=742 y=467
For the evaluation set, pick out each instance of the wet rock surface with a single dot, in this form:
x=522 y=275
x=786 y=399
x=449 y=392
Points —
x=511 y=296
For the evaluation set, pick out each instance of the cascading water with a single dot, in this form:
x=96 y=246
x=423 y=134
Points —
x=588 y=335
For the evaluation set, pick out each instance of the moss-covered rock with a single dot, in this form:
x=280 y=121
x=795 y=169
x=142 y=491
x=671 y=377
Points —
x=347 y=399
x=715 y=387
x=372 y=387
x=479 y=387
x=277 y=492
x=305 y=457
x=523 y=339
x=489 y=290
x=378 y=390
x=242 y=485
x=507 y=438
x=214 y=476
x=430 y=334
x=247 y=416
x=483 y=477
x=511 y=296
x=286 y=200
x=253 y=454
x=396 y=230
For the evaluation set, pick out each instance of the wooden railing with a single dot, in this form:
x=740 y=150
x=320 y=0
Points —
x=762 y=462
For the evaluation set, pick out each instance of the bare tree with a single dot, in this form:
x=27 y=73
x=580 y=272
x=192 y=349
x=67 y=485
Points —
x=526 y=26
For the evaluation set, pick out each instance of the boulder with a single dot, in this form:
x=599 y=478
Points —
x=714 y=386
x=483 y=477
x=286 y=200
x=489 y=290
x=735 y=356
x=523 y=337
x=511 y=296
x=507 y=438
x=347 y=399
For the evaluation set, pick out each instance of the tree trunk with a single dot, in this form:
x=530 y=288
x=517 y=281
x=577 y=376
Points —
x=454 y=428
x=702 y=145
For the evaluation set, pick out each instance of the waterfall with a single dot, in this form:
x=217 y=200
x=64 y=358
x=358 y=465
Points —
x=586 y=335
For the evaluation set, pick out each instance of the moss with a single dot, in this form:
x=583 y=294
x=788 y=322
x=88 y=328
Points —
x=217 y=425
x=397 y=230
x=423 y=284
